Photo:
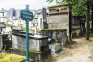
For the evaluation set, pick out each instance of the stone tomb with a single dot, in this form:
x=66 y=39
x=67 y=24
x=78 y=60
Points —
x=59 y=17
x=37 y=43
x=59 y=35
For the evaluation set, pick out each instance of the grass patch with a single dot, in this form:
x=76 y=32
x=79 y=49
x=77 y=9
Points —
x=7 y=57
x=1 y=56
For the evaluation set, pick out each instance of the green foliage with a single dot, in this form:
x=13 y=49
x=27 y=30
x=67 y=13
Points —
x=11 y=31
x=55 y=43
x=78 y=6
x=6 y=24
x=24 y=28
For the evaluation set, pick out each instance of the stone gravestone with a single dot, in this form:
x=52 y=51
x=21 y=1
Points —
x=44 y=14
x=59 y=17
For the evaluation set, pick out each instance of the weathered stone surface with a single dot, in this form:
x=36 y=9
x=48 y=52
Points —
x=14 y=44
x=77 y=26
x=55 y=48
x=59 y=23
x=35 y=44
x=58 y=9
x=19 y=42
x=59 y=35
x=60 y=19
x=35 y=56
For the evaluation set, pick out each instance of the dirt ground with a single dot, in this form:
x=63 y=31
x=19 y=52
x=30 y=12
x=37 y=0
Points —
x=79 y=50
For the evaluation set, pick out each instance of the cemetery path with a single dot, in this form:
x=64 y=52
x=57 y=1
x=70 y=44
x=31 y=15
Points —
x=79 y=50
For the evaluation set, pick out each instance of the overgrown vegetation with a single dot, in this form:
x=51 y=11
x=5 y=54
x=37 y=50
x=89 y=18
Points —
x=79 y=6
x=7 y=57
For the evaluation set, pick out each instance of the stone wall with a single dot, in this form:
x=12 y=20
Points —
x=58 y=22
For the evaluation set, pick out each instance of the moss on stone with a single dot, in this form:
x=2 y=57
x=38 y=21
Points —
x=55 y=43
x=50 y=29
x=30 y=51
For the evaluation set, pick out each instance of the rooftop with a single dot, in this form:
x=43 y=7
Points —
x=59 y=5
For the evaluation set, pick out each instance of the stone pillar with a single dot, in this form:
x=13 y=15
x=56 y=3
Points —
x=44 y=18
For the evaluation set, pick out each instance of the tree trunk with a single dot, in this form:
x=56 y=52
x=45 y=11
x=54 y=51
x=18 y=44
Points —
x=87 y=21
x=92 y=18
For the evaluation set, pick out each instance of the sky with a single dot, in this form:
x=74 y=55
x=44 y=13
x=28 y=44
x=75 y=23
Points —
x=20 y=4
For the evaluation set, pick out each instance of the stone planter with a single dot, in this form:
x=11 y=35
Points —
x=55 y=48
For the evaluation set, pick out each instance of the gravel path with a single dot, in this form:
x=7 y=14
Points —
x=79 y=55
x=79 y=51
